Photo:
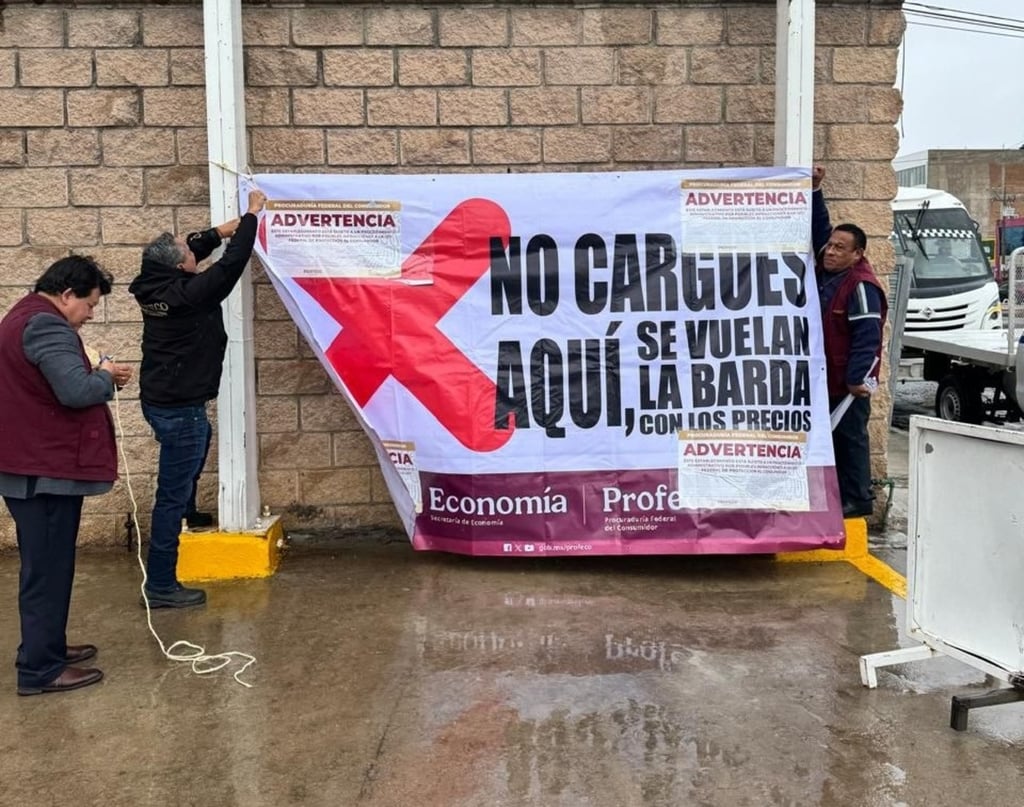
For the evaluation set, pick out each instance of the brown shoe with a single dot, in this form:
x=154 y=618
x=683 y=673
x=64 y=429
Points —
x=71 y=678
x=77 y=653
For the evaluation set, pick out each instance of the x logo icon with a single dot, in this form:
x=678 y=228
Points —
x=390 y=328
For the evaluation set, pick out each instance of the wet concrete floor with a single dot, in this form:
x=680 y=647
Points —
x=387 y=677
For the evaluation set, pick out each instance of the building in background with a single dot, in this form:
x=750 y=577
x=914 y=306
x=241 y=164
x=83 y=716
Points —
x=989 y=181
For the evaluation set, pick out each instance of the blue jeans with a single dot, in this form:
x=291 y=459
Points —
x=184 y=436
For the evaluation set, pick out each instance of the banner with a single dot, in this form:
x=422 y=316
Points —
x=565 y=364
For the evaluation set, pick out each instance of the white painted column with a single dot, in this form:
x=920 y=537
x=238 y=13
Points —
x=794 y=82
x=225 y=125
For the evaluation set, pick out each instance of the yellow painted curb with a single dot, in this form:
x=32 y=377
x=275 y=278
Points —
x=231 y=555
x=856 y=553
x=883 y=574
x=856 y=546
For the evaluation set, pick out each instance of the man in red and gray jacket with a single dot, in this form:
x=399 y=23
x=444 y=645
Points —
x=853 y=312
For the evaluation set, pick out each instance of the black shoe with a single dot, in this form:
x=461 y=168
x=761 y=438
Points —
x=180 y=597
x=857 y=510
x=197 y=519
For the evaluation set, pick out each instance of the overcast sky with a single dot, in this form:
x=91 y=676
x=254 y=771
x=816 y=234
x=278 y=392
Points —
x=962 y=89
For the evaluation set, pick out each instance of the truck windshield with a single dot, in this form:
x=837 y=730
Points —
x=946 y=245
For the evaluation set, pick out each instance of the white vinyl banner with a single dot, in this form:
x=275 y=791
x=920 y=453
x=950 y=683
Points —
x=572 y=363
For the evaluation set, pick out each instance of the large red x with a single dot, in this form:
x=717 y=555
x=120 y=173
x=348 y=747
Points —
x=389 y=328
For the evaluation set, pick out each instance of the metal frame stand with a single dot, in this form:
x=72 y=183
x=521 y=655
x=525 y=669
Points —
x=870 y=663
x=961 y=705
x=948 y=630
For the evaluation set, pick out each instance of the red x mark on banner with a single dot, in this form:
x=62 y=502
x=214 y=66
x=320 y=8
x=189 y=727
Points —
x=390 y=328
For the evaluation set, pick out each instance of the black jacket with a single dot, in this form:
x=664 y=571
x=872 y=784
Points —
x=183 y=337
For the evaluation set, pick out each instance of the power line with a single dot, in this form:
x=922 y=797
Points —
x=971 y=25
x=910 y=6
x=965 y=21
x=965 y=30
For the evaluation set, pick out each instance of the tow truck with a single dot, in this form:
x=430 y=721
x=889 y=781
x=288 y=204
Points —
x=980 y=372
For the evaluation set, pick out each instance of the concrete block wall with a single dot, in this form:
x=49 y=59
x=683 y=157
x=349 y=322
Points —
x=103 y=145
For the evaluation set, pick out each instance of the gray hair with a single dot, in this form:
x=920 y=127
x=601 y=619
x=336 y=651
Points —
x=164 y=249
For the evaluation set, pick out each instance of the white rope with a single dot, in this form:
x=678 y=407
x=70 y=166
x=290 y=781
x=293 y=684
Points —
x=202 y=662
x=246 y=175
x=239 y=316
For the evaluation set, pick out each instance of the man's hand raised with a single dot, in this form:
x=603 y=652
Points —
x=257 y=199
x=817 y=175
x=227 y=229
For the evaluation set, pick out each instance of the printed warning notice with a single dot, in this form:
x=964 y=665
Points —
x=334 y=238
x=743 y=470
x=748 y=215
x=403 y=456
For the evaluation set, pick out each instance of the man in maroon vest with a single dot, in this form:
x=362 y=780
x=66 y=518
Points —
x=56 y=447
x=853 y=311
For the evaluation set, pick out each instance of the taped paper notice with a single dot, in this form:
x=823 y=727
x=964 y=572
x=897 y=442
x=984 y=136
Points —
x=403 y=456
x=745 y=215
x=334 y=238
x=743 y=470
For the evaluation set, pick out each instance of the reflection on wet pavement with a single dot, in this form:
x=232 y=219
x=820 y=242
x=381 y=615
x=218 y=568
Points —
x=387 y=677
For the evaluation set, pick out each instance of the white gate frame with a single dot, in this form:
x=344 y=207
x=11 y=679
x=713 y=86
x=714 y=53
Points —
x=794 y=82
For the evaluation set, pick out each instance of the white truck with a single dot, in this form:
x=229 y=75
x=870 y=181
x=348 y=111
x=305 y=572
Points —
x=980 y=371
x=945 y=283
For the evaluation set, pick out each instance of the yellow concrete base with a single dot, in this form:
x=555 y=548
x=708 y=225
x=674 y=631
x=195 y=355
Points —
x=856 y=545
x=855 y=552
x=229 y=555
x=232 y=555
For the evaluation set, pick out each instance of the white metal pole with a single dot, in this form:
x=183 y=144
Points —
x=225 y=125
x=794 y=82
x=1014 y=277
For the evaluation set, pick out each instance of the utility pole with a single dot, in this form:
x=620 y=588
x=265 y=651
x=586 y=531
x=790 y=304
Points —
x=1006 y=210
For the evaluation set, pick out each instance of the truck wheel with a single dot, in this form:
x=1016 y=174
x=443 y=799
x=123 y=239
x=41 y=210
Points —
x=958 y=400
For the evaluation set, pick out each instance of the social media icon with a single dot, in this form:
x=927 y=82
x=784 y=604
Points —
x=528 y=547
x=506 y=547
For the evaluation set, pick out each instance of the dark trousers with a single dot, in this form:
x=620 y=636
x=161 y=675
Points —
x=184 y=436
x=47 y=528
x=853 y=456
x=191 y=506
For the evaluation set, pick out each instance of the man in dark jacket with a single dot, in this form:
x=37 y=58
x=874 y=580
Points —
x=183 y=344
x=853 y=311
